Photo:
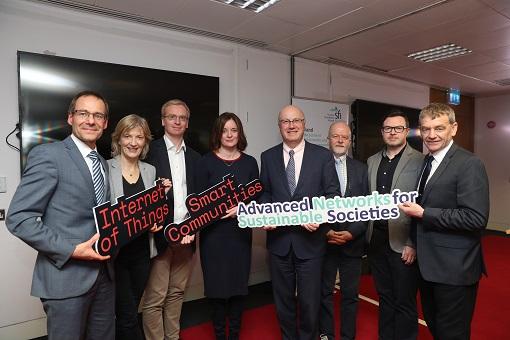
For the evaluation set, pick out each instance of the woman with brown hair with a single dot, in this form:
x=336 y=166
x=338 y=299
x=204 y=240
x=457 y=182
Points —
x=225 y=249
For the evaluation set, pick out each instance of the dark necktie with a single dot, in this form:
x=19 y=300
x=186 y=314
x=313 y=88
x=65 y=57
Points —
x=427 y=165
x=97 y=176
x=291 y=172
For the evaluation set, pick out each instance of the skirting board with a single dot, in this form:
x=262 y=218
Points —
x=24 y=330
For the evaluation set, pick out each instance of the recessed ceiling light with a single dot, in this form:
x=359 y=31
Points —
x=439 y=52
x=251 y=5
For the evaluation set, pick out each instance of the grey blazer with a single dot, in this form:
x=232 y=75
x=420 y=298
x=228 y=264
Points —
x=51 y=211
x=405 y=178
x=148 y=173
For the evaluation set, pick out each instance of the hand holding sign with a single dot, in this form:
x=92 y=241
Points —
x=128 y=218
x=84 y=251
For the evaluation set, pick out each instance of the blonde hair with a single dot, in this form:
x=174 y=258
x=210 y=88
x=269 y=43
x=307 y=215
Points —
x=128 y=123
x=175 y=102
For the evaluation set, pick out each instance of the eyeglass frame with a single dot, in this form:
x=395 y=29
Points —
x=397 y=129
x=174 y=118
x=344 y=138
x=294 y=121
x=84 y=114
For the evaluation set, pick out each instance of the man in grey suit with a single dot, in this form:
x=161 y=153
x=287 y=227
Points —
x=451 y=214
x=289 y=172
x=391 y=251
x=52 y=212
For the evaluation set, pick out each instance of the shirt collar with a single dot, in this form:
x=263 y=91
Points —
x=170 y=145
x=439 y=155
x=82 y=147
x=297 y=149
x=341 y=158
x=385 y=154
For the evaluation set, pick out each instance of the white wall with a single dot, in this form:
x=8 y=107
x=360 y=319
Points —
x=493 y=147
x=340 y=84
x=261 y=90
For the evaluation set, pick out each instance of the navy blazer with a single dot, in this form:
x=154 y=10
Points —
x=456 y=203
x=317 y=178
x=158 y=157
x=357 y=185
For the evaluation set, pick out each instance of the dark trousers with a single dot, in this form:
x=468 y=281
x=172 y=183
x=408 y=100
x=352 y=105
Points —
x=288 y=275
x=448 y=310
x=396 y=284
x=89 y=316
x=349 y=269
x=231 y=308
x=131 y=274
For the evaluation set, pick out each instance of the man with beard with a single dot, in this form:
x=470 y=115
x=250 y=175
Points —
x=391 y=251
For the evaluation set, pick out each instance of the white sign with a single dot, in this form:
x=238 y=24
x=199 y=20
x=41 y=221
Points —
x=319 y=116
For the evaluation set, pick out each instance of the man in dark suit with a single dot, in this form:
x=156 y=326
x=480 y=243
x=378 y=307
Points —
x=170 y=269
x=452 y=212
x=291 y=171
x=52 y=212
x=391 y=251
x=346 y=242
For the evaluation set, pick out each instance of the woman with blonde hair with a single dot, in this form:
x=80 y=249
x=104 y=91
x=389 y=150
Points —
x=128 y=176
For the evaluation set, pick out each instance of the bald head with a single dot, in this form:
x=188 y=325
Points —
x=291 y=121
x=339 y=138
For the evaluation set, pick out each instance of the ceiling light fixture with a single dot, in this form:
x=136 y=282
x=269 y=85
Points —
x=256 y=6
x=439 y=52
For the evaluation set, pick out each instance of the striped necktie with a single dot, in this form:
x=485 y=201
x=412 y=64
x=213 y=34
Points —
x=97 y=176
x=291 y=172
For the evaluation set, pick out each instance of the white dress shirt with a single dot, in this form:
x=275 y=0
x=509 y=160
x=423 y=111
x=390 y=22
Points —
x=178 y=169
x=85 y=150
x=438 y=158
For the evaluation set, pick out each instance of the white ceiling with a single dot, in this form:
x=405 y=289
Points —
x=375 y=35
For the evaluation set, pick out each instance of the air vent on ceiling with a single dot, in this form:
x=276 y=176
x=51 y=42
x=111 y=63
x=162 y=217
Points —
x=139 y=19
x=503 y=82
x=439 y=52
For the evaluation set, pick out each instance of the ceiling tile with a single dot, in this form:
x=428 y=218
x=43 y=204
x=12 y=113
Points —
x=312 y=13
x=152 y=9
x=266 y=29
x=211 y=16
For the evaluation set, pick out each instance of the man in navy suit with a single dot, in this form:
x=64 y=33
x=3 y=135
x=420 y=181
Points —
x=451 y=214
x=171 y=268
x=52 y=212
x=346 y=242
x=291 y=171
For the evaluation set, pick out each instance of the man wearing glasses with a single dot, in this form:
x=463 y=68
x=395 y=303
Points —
x=391 y=251
x=451 y=214
x=170 y=269
x=52 y=212
x=291 y=171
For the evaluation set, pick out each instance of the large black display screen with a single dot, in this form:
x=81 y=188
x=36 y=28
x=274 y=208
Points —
x=48 y=83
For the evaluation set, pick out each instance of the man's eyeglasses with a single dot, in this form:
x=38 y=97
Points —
x=174 y=118
x=293 y=121
x=397 y=129
x=84 y=114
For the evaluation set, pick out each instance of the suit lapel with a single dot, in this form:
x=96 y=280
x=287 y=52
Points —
x=373 y=172
x=442 y=167
x=307 y=159
x=162 y=155
x=189 y=172
x=280 y=167
x=400 y=166
x=350 y=175
x=77 y=158
x=147 y=181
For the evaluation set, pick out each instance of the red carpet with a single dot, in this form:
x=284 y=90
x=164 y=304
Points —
x=492 y=308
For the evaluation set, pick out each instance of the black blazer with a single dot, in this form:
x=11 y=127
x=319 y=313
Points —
x=357 y=185
x=158 y=157
x=317 y=178
x=456 y=203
